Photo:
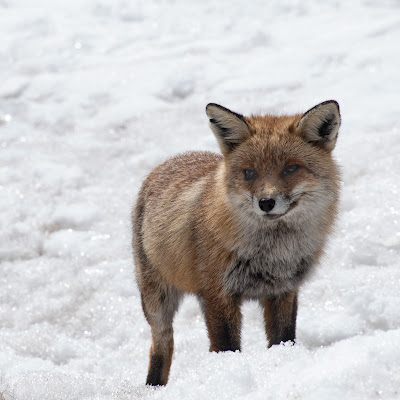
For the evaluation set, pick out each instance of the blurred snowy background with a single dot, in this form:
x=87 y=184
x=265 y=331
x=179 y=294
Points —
x=94 y=94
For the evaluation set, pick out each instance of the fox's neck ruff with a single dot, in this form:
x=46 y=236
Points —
x=271 y=257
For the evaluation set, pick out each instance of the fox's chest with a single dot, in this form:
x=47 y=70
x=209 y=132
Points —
x=259 y=278
x=267 y=266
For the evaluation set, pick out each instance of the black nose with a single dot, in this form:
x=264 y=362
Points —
x=266 y=204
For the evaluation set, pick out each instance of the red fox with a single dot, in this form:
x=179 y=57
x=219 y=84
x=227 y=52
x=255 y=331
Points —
x=250 y=224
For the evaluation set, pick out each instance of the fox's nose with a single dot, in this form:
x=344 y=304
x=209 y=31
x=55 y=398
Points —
x=266 y=204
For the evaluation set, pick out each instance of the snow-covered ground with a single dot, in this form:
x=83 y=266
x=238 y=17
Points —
x=93 y=95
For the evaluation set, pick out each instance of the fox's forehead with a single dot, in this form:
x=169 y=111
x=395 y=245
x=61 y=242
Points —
x=272 y=125
x=273 y=141
x=267 y=154
x=270 y=151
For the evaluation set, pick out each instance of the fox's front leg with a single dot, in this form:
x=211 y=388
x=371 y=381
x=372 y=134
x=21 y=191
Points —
x=280 y=315
x=223 y=320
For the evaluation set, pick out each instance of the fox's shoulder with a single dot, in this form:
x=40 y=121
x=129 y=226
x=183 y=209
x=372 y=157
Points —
x=183 y=169
x=192 y=160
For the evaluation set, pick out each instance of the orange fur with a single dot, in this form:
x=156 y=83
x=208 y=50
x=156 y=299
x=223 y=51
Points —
x=200 y=226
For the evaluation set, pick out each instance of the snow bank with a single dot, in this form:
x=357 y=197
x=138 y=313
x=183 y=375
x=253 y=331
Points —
x=93 y=95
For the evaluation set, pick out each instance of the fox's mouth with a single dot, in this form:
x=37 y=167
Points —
x=272 y=217
x=281 y=206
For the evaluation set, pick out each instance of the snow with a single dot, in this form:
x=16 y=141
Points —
x=93 y=95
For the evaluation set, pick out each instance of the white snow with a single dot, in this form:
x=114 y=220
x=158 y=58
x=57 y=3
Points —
x=93 y=95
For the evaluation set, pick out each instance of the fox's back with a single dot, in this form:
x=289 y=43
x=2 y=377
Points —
x=179 y=172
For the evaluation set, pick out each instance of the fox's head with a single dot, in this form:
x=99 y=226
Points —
x=277 y=167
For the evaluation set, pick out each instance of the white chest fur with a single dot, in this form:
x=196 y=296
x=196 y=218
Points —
x=272 y=259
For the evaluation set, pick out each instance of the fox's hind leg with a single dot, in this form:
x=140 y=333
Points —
x=280 y=315
x=159 y=302
x=159 y=306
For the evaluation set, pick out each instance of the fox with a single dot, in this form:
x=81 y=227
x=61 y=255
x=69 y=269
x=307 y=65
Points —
x=250 y=223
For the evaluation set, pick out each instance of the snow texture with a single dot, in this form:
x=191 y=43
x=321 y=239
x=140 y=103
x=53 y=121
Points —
x=93 y=95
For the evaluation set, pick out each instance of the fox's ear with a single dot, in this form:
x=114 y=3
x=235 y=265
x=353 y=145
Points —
x=229 y=127
x=320 y=124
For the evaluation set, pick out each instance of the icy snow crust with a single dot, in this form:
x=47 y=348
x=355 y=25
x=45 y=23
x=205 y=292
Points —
x=93 y=96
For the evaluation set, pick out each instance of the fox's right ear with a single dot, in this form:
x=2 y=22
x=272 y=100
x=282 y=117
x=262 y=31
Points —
x=229 y=127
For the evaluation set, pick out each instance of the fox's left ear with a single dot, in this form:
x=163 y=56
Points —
x=320 y=124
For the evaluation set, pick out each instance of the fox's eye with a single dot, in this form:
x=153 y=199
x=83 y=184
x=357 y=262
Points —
x=249 y=174
x=290 y=169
